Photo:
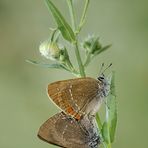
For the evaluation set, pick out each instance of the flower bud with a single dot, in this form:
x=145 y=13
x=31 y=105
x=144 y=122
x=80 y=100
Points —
x=92 y=44
x=50 y=50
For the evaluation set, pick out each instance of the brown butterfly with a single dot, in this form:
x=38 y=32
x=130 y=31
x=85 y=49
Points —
x=63 y=131
x=80 y=96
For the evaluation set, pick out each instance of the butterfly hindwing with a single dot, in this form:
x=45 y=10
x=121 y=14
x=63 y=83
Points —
x=65 y=132
x=73 y=95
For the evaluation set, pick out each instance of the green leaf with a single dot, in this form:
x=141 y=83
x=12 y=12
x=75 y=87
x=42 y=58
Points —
x=63 y=26
x=53 y=34
x=113 y=129
x=105 y=132
x=83 y=17
x=113 y=109
x=98 y=121
x=111 y=113
x=55 y=65
x=102 y=50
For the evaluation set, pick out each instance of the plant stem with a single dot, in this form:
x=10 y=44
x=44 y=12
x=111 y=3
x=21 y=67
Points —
x=72 y=14
x=109 y=146
x=73 y=71
x=71 y=68
x=83 y=15
x=108 y=128
x=73 y=20
x=100 y=130
x=81 y=67
x=87 y=61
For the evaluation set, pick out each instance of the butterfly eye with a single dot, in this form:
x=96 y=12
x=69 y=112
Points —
x=101 y=78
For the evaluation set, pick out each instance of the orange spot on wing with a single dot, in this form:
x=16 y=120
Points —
x=70 y=110
x=77 y=117
x=73 y=113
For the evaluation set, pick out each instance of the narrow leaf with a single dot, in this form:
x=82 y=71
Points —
x=63 y=26
x=55 y=65
x=113 y=129
x=90 y=57
x=112 y=111
x=102 y=50
x=98 y=121
x=105 y=132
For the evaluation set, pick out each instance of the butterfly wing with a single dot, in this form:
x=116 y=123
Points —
x=65 y=132
x=73 y=95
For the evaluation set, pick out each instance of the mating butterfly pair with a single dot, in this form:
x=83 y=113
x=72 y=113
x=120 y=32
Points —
x=79 y=99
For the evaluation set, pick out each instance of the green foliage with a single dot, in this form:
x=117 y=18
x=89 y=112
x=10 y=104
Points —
x=105 y=132
x=83 y=17
x=93 y=48
x=112 y=112
x=55 y=65
x=109 y=125
x=63 y=26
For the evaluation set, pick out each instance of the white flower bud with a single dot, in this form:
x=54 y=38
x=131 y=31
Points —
x=49 y=50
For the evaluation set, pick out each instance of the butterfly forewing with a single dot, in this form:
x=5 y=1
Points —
x=73 y=95
x=65 y=132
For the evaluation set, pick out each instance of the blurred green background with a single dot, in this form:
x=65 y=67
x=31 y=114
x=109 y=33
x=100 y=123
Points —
x=24 y=104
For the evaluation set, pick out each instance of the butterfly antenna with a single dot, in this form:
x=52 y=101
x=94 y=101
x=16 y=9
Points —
x=107 y=67
x=101 y=69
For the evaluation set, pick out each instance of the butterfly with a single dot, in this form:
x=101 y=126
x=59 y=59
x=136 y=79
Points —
x=80 y=96
x=63 y=131
x=79 y=99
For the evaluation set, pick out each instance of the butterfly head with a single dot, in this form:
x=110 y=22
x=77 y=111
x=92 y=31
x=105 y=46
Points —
x=103 y=79
x=104 y=82
x=104 y=85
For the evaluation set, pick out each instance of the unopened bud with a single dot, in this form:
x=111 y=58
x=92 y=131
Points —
x=50 y=50
x=92 y=44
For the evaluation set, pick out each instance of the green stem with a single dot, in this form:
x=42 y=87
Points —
x=108 y=128
x=71 y=68
x=74 y=72
x=72 y=14
x=100 y=128
x=109 y=146
x=82 y=21
x=73 y=20
x=87 y=61
x=81 y=67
